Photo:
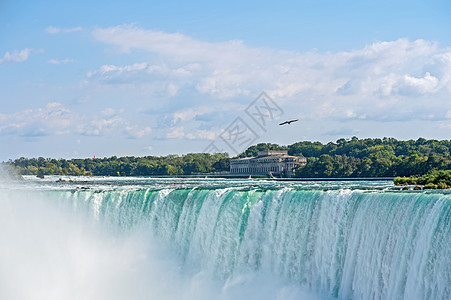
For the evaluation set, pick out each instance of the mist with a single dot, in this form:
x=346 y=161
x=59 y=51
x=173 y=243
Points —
x=49 y=251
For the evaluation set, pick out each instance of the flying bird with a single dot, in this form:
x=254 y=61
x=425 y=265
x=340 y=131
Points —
x=288 y=122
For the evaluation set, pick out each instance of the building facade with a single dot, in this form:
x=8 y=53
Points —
x=267 y=162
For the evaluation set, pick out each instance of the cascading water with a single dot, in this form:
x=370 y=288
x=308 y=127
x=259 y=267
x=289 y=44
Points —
x=337 y=243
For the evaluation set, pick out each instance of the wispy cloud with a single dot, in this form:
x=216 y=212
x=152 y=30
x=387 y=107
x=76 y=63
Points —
x=56 y=119
x=387 y=80
x=16 y=56
x=180 y=132
x=135 y=132
x=99 y=126
x=189 y=114
x=60 y=61
x=55 y=30
x=445 y=126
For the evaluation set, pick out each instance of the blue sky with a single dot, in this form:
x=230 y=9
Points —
x=109 y=78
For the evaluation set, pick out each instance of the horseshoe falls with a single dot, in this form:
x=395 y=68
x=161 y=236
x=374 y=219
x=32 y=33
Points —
x=176 y=238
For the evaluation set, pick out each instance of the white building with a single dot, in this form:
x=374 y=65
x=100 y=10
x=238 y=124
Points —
x=267 y=162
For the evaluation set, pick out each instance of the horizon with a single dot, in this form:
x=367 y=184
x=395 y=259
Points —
x=104 y=79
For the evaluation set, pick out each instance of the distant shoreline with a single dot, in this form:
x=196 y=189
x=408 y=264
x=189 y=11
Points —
x=346 y=160
x=240 y=176
x=256 y=176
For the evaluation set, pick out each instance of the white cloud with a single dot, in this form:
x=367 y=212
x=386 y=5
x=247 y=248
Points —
x=168 y=44
x=371 y=83
x=61 y=61
x=440 y=67
x=110 y=68
x=155 y=79
x=176 y=133
x=422 y=85
x=135 y=132
x=55 y=30
x=185 y=115
x=100 y=126
x=206 y=134
x=108 y=112
x=409 y=85
x=445 y=126
x=172 y=89
x=189 y=114
x=56 y=119
x=180 y=132
x=16 y=56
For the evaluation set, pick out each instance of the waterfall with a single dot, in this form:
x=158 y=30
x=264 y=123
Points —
x=345 y=244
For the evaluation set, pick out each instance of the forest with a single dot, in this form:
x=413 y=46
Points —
x=193 y=163
x=345 y=158
x=355 y=157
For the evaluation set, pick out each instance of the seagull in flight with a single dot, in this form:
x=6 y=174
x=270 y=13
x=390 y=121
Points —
x=288 y=122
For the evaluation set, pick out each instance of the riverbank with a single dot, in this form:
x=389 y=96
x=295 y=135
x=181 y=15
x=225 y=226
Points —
x=437 y=179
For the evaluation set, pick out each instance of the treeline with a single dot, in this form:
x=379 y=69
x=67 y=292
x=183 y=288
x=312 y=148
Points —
x=355 y=157
x=193 y=163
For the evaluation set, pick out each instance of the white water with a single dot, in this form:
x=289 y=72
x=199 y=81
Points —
x=48 y=253
x=224 y=243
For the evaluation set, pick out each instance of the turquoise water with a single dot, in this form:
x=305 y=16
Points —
x=253 y=239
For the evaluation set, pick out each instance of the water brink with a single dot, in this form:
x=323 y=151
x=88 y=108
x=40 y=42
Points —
x=343 y=244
